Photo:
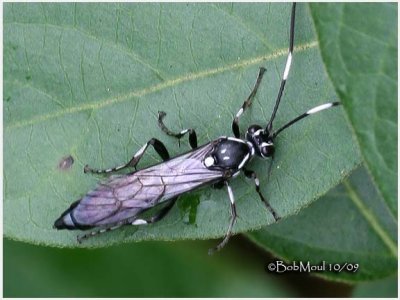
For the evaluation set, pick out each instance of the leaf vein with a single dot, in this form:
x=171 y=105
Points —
x=371 y=219
x=157 y=87
x=128 y=52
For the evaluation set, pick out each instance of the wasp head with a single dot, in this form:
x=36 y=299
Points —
x=261 y=141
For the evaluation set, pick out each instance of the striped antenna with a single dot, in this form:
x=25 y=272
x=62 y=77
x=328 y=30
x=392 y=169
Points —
x=287 y=68
x=306 y=114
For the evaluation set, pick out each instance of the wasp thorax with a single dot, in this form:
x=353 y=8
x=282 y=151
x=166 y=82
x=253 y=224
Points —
x=261 y=141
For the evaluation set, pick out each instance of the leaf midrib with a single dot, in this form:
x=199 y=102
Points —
x=371 y=219
x=158 y=87
x=293 y=240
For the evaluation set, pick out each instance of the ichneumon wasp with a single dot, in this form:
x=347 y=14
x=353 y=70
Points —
x=123 y=199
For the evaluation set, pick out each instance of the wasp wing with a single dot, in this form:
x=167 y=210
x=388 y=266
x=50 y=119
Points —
x=124 y=197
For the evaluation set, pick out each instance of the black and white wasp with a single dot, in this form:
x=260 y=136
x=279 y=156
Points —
x=123 y=199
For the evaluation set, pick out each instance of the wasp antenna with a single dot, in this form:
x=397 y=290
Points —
x=287 y=68
x=307 y=113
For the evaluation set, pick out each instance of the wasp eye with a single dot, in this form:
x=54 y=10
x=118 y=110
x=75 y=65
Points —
x=267 y=151
x=253 y=128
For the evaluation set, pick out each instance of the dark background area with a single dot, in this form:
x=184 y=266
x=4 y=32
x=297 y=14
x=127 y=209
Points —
x=155 y=269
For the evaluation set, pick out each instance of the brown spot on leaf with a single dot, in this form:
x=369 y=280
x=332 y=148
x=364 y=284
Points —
x=66 y=162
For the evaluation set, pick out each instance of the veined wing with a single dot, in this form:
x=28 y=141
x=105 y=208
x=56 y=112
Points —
x=125 y=196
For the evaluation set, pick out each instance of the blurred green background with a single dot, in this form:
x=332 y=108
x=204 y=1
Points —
x=162 y=269
x=148 y=269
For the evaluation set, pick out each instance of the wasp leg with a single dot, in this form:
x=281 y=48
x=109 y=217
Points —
x=192 y=132
x=161 y=214
x=233 y=221
x=219 y=185
x=101 y=230
x=157 y=145
x=252 y=175
x=246 y=104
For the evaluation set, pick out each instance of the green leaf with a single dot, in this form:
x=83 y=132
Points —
x=351 y=224
x=356 y=222
x=359 y=48
x=87 y=80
